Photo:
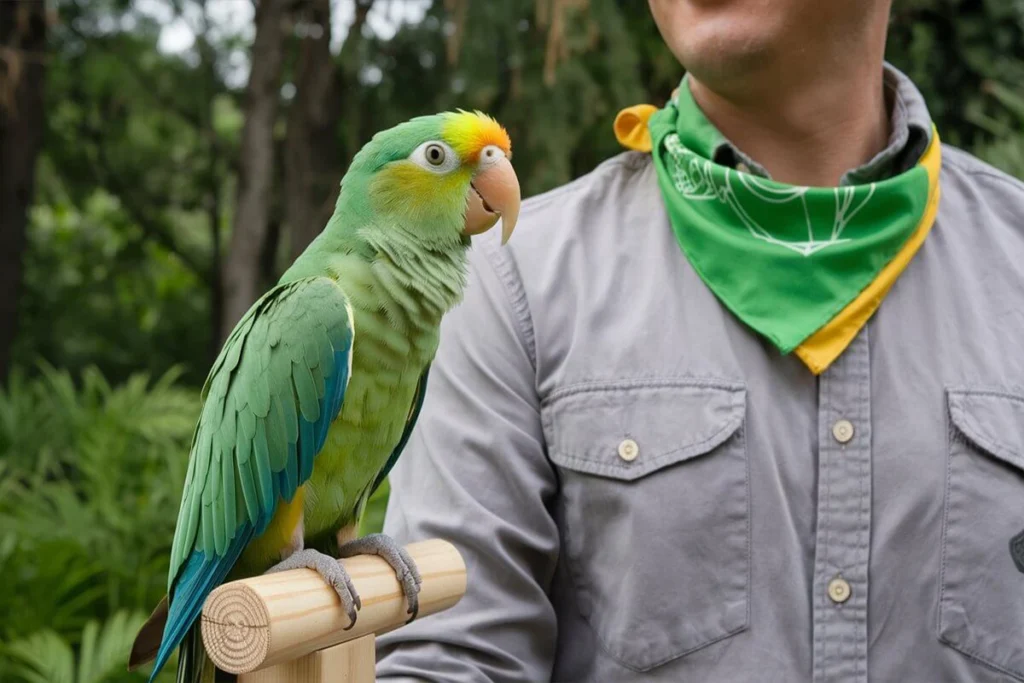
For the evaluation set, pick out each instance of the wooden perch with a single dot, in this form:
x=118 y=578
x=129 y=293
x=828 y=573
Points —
x=264 y=621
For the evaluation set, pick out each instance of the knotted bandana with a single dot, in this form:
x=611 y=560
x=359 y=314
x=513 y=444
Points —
x=805 y=267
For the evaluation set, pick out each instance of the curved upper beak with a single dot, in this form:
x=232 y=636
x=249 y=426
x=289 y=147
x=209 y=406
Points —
x=493 y=194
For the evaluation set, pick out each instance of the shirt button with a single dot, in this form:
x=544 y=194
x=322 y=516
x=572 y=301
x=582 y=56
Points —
x=843 y=431
x=838 y=590
x=628 y=450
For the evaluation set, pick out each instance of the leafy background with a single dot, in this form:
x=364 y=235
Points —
x=130 y=233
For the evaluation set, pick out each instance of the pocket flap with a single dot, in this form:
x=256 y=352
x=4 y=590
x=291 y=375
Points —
x=994 y=421
x=626 y=430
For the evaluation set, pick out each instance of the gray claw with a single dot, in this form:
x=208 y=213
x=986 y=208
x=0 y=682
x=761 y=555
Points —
x=331 y=571
x=395 y=555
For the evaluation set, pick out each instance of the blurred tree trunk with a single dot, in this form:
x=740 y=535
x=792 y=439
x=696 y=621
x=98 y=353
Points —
x=22 y=76
x=256 y=165
x=313 y=156
x=213 y=175
x=360 y=123
x=311 y=164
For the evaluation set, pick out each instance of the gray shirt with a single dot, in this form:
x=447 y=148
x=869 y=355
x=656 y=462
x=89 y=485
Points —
x=645 y=490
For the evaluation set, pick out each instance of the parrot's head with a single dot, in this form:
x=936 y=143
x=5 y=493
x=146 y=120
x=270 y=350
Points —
x=437 y=179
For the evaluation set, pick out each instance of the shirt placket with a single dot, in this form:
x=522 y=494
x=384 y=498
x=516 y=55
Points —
x=843 y=517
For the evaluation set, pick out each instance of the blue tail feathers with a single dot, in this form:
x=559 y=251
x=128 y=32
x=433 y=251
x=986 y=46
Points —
x=199 y=576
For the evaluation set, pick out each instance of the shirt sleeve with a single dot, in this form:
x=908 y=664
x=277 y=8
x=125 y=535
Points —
x=475 y=473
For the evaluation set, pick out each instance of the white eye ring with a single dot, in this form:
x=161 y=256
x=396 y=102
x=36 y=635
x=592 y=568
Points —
x=490 y=154
x=435 y=156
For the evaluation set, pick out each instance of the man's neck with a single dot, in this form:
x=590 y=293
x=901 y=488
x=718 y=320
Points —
x=808 y=134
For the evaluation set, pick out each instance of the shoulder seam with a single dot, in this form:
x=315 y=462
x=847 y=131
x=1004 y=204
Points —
x=505 y=268
x=621 y=160
x=982 y=170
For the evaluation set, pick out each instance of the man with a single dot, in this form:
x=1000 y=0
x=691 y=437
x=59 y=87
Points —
x=695 y=425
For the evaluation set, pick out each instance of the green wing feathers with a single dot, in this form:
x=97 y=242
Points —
x=270 y=397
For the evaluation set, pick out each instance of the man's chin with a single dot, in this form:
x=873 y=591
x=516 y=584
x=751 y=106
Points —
x=727 y=62
x=719 y=41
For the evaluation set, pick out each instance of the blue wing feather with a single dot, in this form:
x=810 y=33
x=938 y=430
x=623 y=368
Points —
x=333 y=395
x=197 y=579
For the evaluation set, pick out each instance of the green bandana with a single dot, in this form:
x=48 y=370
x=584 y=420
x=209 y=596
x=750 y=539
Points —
x=787 y=260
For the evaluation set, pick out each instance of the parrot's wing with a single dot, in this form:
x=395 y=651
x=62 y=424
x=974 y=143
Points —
x=271 y=396
x=410 y=422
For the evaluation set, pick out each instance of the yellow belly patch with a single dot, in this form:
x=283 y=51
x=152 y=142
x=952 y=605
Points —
x=286 y=519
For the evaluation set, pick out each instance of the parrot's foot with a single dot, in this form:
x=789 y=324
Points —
x=332 y=572
x=396 y=556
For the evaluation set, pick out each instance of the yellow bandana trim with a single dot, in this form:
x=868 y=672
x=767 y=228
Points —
x=822 y=348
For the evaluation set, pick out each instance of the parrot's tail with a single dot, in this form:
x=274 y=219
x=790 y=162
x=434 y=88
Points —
x=194 y=666
x=147 y=642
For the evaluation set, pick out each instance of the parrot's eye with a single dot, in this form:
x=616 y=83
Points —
x=435 y=156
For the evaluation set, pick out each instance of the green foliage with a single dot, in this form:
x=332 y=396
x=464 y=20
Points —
x=1006 y=151
x=90 y=479
x=46 y=657
x=949 y=48
x=132 y=198
x=96 y=292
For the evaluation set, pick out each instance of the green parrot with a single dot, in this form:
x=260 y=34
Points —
x=316 y=390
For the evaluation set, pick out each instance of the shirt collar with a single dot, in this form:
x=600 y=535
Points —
x=909 y=131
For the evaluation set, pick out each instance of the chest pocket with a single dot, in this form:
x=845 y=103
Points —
x=656 y=513
x=981 y=600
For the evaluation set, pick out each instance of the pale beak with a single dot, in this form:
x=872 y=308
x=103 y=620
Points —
x=493 y=194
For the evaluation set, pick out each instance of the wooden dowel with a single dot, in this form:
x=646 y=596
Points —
x=265 y=620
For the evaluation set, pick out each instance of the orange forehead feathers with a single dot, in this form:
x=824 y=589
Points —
x=469 y=132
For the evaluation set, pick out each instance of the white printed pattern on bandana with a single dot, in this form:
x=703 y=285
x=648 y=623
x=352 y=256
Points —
x=692 y=177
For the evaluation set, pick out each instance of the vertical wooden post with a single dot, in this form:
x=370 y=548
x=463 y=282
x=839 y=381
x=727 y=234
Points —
x=351 y=662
